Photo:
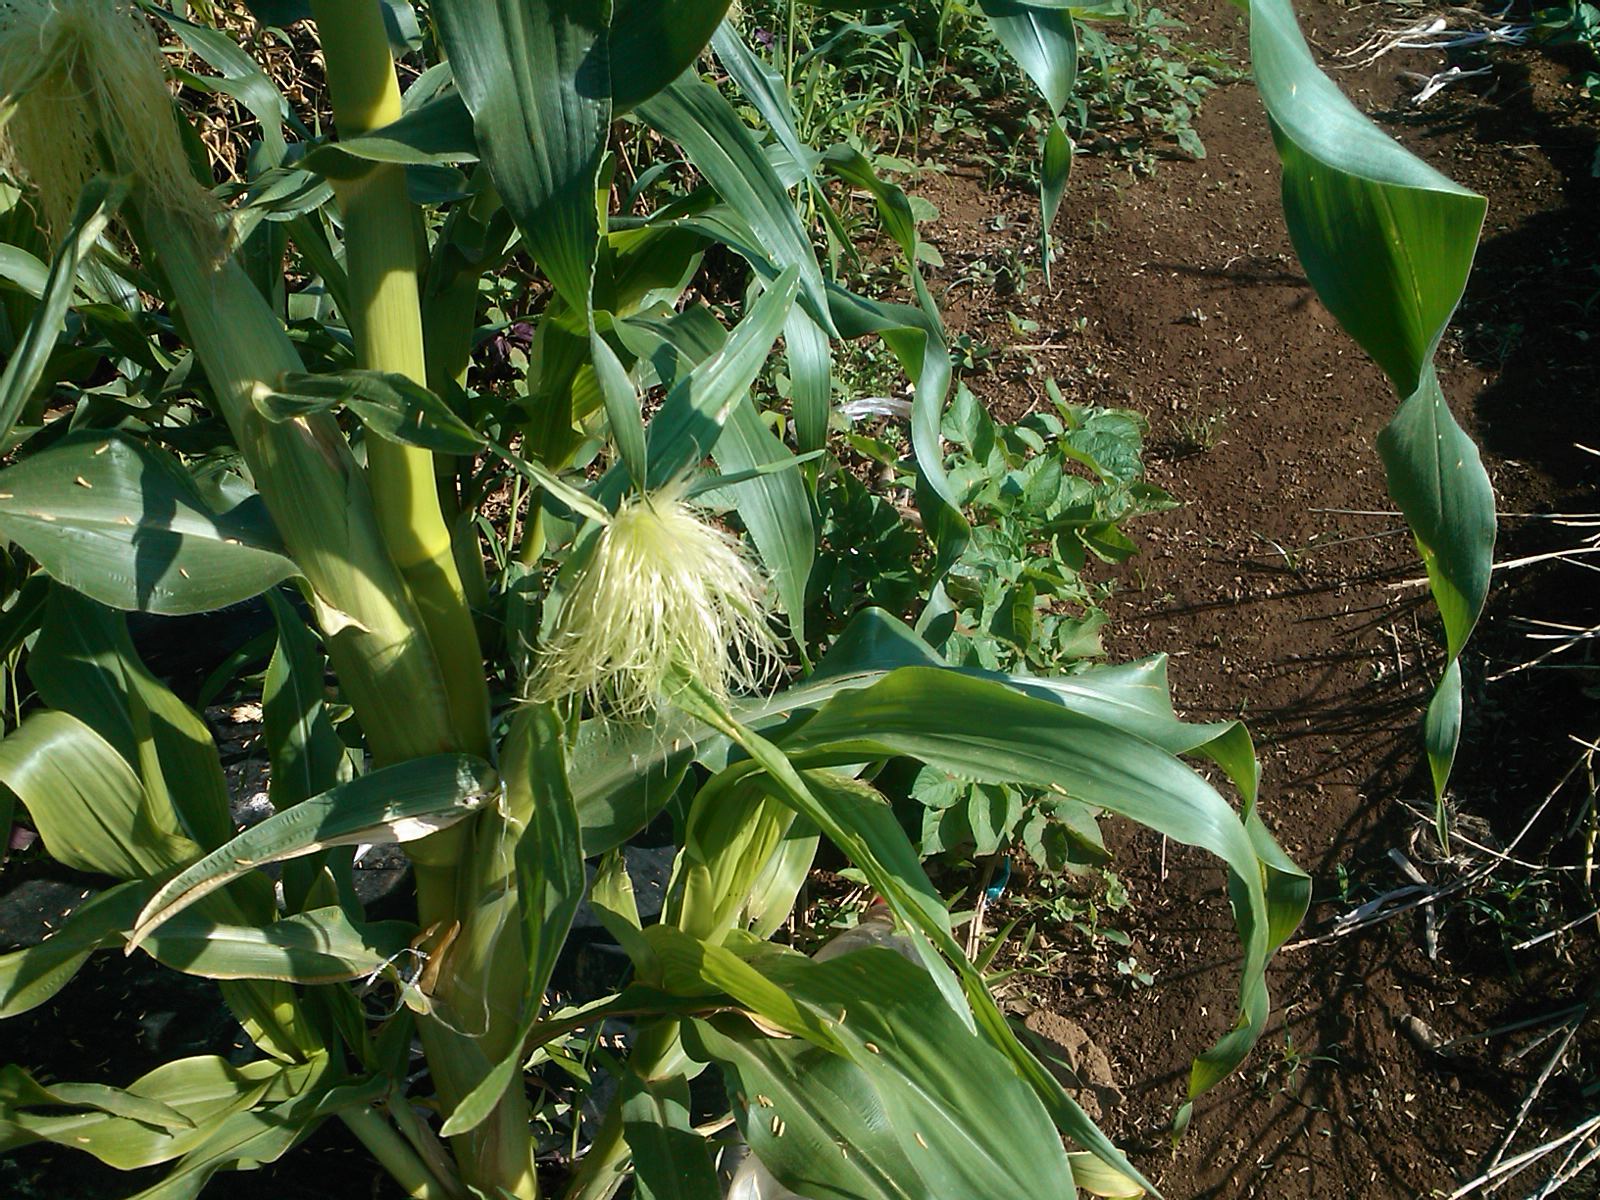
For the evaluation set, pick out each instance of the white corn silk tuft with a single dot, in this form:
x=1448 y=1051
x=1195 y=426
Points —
x=666 y=595
x=82 y=92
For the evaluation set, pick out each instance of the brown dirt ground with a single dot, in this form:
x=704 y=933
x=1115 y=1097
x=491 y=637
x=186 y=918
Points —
x=1281 y=593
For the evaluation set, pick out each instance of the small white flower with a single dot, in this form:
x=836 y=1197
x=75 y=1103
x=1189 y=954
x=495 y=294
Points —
x=667 y=595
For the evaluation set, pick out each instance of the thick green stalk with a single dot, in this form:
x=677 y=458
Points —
x=383 y=264
x=318 y=499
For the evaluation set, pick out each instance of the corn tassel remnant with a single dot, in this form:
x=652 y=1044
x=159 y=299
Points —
x=83 y=92
x=666 y=596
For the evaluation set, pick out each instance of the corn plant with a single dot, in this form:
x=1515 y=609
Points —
x=212 y=429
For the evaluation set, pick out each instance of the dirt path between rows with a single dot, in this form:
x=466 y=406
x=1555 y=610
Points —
x=1284 y=596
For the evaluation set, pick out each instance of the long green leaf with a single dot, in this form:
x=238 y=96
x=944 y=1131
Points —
x=894 y=211
x=692 y=418
x=204 y=1092
x=26 y=366
x=392 y=406
x=263 y=1135
x=438 y=133
x=123 y=524
x=917 y=341
x=655 y=41
x=962 y=1116
x=691 y=967
x=810 y=358
x=319 y=946
x=30 y=976
x=402 y=803
x=987 y=732
x=536 y=77
x=695 y=115
x=1388 y=241
x=84 y=663
x=775 y=507
x=670 y=1160
x=18 y=1089
x=1438 y=480
x=1044 y=43
x=243 y=79
x=306 y=754
x=834 y=1138
x=85 y=800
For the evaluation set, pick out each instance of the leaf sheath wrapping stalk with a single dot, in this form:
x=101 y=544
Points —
x=320 y=503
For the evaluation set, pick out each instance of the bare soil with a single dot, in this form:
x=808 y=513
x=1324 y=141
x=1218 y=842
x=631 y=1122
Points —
x=1284 y=595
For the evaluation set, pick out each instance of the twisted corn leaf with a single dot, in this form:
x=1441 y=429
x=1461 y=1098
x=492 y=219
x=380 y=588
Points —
x=1387 y=242
x=873 y=839
x=202 y=1093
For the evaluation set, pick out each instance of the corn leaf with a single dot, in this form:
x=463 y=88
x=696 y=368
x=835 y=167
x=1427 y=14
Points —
x=984 y=731
x=918 y=343
x=1043 y=42
x=810 y=356
x=123 y=524
x=438 y=133
x=25 y=368
x=774 y=507
x=655 y=41
x=670 y=1159
x=400 y=803
x=894 y=211
x=305 y=751
x=84 y=663
x=18 y=1089
x=536 y=77
x=969 y=1126
x=30 y=976
x=85 y=800
x=691 y=967
x=1387 y=242
x=391 y=405
x=202 y=1093
x=835 y=1138
x=692 y=417
x=1055 y=168
x=242 y=78
x=261 y=1135
x=320 y=946
x=699 y=118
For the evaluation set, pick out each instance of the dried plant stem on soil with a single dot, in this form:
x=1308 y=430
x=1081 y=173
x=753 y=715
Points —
x=1413 y=896
x=1571 y=1027
x=1494 y=1177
